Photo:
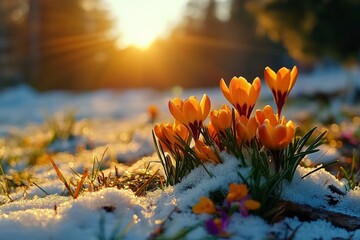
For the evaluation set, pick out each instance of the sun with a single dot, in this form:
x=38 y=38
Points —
x=141 y=22
x=140 y=32
x=141 y=38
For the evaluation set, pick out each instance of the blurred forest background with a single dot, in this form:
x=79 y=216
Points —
x=72 y=44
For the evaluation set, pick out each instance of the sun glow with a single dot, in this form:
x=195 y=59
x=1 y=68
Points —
x=141 y=22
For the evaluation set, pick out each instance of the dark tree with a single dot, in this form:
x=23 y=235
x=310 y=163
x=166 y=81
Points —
x=12 y=27
x=222 y=48
x=311 y=30
x=68 y=43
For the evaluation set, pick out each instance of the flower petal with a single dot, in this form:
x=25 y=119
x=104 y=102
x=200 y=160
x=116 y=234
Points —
x=205 y=205
x=158 y=131
x=293 y=77
x=290 y=130
x=270 y=78
x=279 y=136
x=251 y=128
x=252 y=204
x=205 y=105
x=174 y=108
x=236 y=192
x=254 y=91
x=225 y=90
x=192 y=110
x=265 y=134
x=283 y=80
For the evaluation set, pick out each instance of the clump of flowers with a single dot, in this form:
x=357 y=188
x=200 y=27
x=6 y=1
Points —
x=174 y=141
x=265 y=141
x=238 y=200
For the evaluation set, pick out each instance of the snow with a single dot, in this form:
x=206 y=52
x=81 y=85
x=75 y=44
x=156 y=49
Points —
x=117 y=121
x=314 y=186
x=310 y=230
x=59 y=217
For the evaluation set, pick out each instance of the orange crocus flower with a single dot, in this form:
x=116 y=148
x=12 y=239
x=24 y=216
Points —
x=240 y=192
x=237 y=192
x=191 y=112
x=266 y=113
x=273 y=132
x=169 y=135
x=153 y=112
x=251 y=204
x=246 y=129
x=205 y=153
x=280 y=84
x=241 y=94
x=278 y=136
x=205 y=205
x=221 y=119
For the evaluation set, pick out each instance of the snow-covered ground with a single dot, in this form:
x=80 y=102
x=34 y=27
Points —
x=119 y=122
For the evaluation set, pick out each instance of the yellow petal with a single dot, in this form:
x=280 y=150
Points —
x=225 y=90
x=268 y=110
x=243 y=84
x=233 y=83
x=205 y=152
x=178 y=103
x=241 y=130
x=279 y=136
x=158 y=132
x=283 y=80
x=291 y=125
x=259 y=116
x=256 y=84
x=169 y=133
x=241 y=97
x=224 y=120
x=200 y=154
x=205 y=205
x=239 y=90
x=244 y=120
x=270 y=115
x=211 y=129
x=252 y=204
x=290 y=130
x=266 y=113
x=177 y=130
x=192 y=110
x=205 y=105
x=293 y=77
x=236 y=192
x=254 y=91
x=270 y=78
x=265 y=134
x=174 y=108
x=251 y=128
x=193 y=100
x=214 y=120
x=232 y=88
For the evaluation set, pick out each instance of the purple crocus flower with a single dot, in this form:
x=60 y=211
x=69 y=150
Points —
x=218 y=225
